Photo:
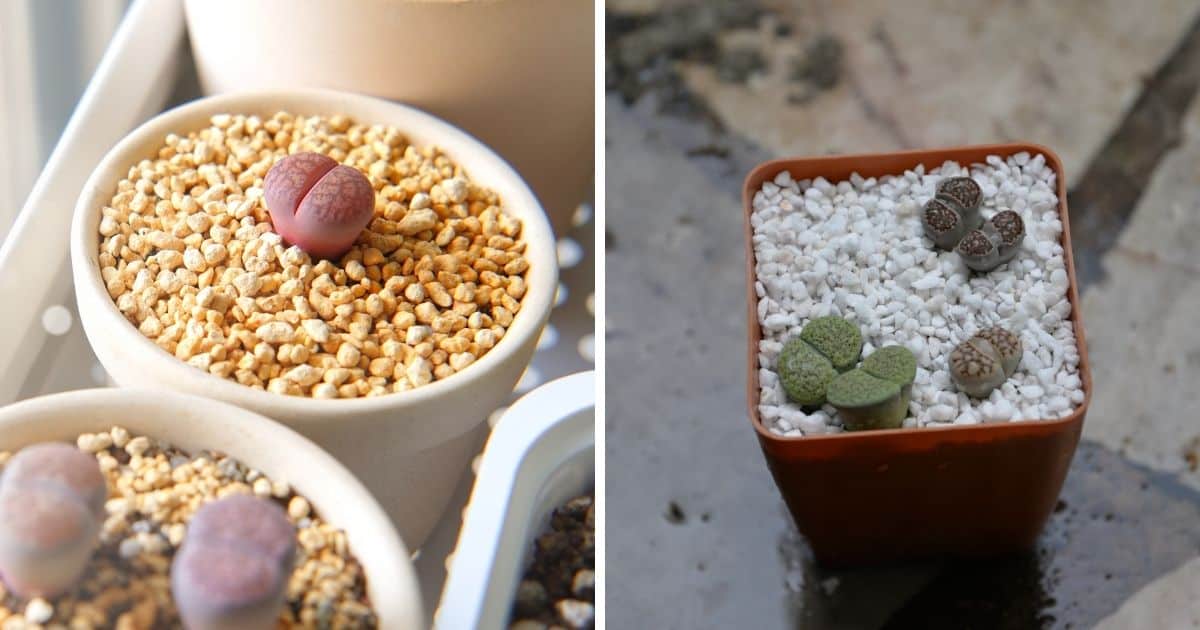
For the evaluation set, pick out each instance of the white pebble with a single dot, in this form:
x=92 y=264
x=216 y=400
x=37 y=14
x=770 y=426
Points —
x=38 y=611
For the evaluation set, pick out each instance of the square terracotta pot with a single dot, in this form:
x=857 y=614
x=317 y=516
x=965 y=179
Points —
x=871 y=497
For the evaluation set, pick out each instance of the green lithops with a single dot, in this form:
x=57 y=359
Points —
x=836 y=338
x=805 y=373
x=896 y=364
x=866 y=402
x=816 y=368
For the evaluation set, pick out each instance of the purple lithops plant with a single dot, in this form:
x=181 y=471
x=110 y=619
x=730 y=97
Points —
x=51 y=509
x=317 y=204
x=233 y=567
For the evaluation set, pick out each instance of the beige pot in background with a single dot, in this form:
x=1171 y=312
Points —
x=193 y=424
x=409 y=448
x=517 y=74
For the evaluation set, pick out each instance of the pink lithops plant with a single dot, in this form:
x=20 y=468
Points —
x=318 y=204
x=233 y=568
x=51 y=509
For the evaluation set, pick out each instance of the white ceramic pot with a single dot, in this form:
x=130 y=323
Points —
x=518 y=74
x=193 y=424
x=409 y=448
x=541 y=455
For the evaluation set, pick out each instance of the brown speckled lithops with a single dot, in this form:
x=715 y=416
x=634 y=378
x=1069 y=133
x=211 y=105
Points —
x=942 y=224
x=1006 y=344
x=983 y=362
x=965 y=196
x=1008 y=230
x=978 y=251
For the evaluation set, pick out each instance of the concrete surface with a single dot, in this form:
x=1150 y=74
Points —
x=697 y=534
x=1167 y=603
x=928 y=73
x=1145 y=346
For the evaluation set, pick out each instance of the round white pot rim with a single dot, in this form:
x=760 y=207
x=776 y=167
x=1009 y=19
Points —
x=423 y=129
x=257 y=442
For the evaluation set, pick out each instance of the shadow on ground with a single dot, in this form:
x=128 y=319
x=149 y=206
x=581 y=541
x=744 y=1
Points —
x=1117 y=527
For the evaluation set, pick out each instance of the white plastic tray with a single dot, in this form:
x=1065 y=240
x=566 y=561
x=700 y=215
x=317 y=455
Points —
x=147 y=68
x=540 y=455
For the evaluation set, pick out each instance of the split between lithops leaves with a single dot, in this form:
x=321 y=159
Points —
x=866 y=402
x=1007 y=346
x=953 y=211
x=983 y=362
x=234 y=565
x=838 y=339
x=318 y=204
x=995 y=243
x=51 y=509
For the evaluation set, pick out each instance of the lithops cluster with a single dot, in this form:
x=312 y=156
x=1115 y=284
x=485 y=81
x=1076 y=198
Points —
x=876 y=395
x=995 y=243
x=983 y=362
x=807 y=364
x=51 y=508
x=952 y=221
x=318 y=204
x=233 y=568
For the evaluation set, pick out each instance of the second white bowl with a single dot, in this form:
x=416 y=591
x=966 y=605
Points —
x=194 y=424
x=409 y=448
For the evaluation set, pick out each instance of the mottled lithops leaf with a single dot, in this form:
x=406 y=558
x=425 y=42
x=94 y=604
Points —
x=978 y=251
x=964 y=194
x=51 y=506
x=233 y=568
x=317 y=204
x=1007 y=229
x=1006 y=345
x=942 y=224
x=836 y=338
x=894 y=363
x=804 y=372
x=976 y=368
x=866 y=402
x=857 y=388
x=289 y=180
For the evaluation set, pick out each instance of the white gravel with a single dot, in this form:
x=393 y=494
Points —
x=857 y=249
